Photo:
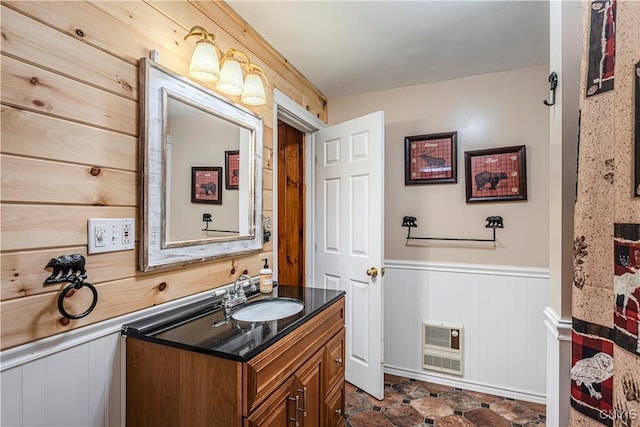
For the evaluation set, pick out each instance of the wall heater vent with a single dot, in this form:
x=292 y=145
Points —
x=442 y=347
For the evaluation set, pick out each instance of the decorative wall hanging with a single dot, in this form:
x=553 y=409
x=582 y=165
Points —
x=497 y=174
x=592 y=368
x=602 y=43
x=636 y=70
x=205 y=185
x=431 y=159
x=232 y=168
x=626 y=286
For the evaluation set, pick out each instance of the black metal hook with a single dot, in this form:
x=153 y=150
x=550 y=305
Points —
x=553 y=83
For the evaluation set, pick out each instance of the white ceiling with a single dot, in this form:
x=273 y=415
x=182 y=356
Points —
x=351 y=47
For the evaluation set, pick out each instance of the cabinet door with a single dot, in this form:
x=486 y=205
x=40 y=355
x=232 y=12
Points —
x=334 y=407
x=278 y=410
x=334 y=361
x=307 y=385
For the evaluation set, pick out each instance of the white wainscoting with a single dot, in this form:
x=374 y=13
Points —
x=80 y=386
x=76 y=378
x=501 y=309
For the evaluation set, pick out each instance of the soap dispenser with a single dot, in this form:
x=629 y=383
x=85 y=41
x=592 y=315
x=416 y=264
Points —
x=266 y=278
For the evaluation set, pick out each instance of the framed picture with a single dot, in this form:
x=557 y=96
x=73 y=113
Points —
x=205 y=185
x=232 y=166
x=497 y=174
x=431 y=159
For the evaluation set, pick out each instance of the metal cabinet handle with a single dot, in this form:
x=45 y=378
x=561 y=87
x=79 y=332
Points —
x=303 y=390
x=339 y=361
x=295 y=419
x=339 y=411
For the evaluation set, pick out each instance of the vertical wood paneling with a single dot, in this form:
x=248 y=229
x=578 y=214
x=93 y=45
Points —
x=80 y=386
x=67 y=387
x=34 y=393
x=504 y=333
x=11 y=392
x=99 y=354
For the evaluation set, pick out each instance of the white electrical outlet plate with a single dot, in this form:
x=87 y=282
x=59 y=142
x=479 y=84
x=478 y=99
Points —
x=110 y=234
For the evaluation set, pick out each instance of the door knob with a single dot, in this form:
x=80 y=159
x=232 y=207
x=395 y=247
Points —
x=373 y=272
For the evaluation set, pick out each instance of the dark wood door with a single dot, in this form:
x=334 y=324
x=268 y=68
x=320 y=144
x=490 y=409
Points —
x=291 y=209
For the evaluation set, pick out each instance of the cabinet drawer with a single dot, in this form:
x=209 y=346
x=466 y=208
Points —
x=334 y=361
x=266 y=371
x=334 y=407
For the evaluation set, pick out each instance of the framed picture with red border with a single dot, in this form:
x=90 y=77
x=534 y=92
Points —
x=431 y=159
x=496 y=174
x=205 y=184
x=232 y=168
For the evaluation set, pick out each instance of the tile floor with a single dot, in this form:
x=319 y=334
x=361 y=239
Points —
x=411 y=403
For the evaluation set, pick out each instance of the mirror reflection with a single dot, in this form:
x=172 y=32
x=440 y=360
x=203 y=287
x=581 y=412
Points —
x=204 y=174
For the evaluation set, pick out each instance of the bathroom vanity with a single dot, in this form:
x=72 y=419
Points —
x=197 y=366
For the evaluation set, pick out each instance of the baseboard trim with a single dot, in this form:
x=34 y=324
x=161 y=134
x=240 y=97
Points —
x=464 y=384
x=492 y=270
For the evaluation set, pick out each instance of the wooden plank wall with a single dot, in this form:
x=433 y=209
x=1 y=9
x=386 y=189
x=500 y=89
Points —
x=70 y=104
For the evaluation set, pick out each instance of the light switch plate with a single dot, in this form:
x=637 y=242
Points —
x=110 y=234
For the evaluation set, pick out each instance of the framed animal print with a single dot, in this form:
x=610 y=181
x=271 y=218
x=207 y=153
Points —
x=232 y=167
x=431 y=159
x=205 y=185
x=497 y=174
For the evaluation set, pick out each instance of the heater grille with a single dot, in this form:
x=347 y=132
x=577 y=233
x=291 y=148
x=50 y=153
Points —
x=442 y=347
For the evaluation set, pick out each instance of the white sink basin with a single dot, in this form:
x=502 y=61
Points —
x=267 y=310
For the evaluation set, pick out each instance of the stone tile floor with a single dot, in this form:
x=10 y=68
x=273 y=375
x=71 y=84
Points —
x=412 y=403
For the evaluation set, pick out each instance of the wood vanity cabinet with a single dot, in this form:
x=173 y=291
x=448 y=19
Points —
x=299 y=378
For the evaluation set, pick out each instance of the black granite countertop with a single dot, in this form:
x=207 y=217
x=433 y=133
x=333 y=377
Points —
x=202 y=326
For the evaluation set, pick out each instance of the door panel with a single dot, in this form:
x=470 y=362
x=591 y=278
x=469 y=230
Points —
x=291 y=209
x=349 y=217
x=332 y=216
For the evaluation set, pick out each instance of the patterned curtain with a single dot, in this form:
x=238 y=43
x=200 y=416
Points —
x=605 y=373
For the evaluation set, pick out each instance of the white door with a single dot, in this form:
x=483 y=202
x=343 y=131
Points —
x=349 y=237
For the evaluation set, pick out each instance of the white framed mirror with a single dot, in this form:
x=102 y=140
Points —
x=201 y=172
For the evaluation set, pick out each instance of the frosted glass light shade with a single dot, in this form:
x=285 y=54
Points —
x=253 y=93
x=230 y=81
x=204 y=62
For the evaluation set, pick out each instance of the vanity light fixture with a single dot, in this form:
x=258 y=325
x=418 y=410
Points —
x=204 y=60
x=209 y=64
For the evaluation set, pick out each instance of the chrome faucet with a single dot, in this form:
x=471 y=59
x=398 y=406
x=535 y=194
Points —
x=236 y=296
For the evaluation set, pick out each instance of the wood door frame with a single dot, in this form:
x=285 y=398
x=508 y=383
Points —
x=293 y=114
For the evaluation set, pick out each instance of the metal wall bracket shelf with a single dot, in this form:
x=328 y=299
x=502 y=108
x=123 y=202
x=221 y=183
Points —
x=206 y=218
x=492 y=222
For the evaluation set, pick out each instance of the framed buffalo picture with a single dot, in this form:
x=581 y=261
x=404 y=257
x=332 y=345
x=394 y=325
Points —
x=430 y=159
x=205 y=185
x=232 y=167
x=497 y=174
